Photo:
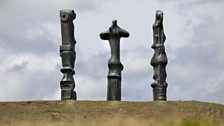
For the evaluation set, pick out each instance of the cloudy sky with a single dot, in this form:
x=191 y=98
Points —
x=30 y=39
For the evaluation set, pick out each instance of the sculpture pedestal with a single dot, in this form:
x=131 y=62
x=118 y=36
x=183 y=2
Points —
x=159 y=94
x=68 y=95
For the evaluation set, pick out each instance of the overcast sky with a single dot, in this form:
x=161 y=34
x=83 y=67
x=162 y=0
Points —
x=30 y=39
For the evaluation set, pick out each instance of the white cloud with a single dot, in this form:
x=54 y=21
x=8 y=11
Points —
x=89 y=88
x=34 y=77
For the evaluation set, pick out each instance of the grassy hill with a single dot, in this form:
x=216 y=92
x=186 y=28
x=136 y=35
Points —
x=113 y=113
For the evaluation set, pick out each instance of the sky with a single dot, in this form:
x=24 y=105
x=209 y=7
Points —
x=30 y=38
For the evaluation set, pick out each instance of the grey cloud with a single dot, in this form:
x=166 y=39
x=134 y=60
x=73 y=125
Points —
x=20 y=67
x=209 y=33
x=192 y=2
x=199 y=2
x=95 y=66
x=21 y=16
x=91 y=75
x=207 y=37
x=137 y=74
x=28 y=85
x=39 y=46
x=198 y=66
x=32 y=6
x=40 y=84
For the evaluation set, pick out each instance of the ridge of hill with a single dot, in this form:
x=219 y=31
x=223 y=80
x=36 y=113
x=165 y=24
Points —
x=111 y=113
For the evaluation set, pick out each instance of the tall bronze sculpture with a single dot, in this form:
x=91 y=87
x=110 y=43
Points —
x=159 y=59
x=115 y=67
x=68 y=54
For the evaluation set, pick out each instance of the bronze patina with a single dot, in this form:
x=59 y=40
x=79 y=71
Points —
x=159 y=59
x=68 y=54
x=113 y=35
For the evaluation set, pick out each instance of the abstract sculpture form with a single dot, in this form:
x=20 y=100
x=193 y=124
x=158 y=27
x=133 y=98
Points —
x=68 y=55
x=159 y=59
x=115 y=67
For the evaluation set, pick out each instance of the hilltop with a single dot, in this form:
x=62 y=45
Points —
x=111 y=113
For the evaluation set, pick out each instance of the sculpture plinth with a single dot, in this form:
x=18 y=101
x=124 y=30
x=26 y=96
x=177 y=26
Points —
x=68 y=55
x=113 y=35
x=159 y=59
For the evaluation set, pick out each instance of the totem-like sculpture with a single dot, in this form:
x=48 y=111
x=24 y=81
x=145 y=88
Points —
x=159 y=59
x=68 y=54
x=115 y=67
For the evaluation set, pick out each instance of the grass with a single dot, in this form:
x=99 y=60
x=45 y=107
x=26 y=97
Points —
x=111 y=113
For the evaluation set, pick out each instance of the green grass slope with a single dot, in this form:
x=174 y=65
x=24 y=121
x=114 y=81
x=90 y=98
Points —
x=112 y=113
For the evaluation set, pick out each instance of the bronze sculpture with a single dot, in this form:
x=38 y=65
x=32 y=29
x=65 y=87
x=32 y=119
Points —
x=159 y=59
x=68 y=54
x=115 y=67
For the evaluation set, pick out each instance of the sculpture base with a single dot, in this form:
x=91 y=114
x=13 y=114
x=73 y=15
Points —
x=159 y=94
x=68 y=95
x=114 y=89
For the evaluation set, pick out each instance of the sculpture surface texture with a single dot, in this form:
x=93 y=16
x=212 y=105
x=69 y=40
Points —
x=68 y=54
x=159 y=59
x=113 y=35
